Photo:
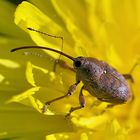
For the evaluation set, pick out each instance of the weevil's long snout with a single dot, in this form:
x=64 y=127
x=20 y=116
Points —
x=45 y=48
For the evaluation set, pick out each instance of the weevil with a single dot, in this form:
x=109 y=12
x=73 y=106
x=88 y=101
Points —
x=99 y=78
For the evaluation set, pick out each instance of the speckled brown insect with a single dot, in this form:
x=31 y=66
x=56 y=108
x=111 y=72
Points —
x=99 y=78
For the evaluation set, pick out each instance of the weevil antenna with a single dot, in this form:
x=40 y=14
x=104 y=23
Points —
x=45 y=48
x=54 y=36
x=31 y=29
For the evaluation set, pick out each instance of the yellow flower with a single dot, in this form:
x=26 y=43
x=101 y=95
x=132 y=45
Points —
x=110 y=29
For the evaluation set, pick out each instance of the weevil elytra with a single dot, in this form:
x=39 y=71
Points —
x=99 y=78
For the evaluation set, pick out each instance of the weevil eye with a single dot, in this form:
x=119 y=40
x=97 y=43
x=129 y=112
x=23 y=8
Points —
x=77 y=63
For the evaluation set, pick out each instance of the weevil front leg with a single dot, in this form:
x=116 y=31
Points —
x=81 y=102
x=71 y=90
x=63 y=64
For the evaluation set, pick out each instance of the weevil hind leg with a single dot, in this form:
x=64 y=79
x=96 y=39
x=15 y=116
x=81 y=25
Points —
x=71 y=90
x=81 y=103
x=63 y=64
x=130 y=78
x=109 y=106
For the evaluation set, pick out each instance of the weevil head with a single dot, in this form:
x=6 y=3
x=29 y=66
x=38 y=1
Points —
x=78 y=62
x=82 y=67
x=85 y=63
x=87 y=68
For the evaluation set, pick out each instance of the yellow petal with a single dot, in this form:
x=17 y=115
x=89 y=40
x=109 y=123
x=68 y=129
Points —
x=25 y=123
x=29 y=74
x=23 y=97
x=27 y=15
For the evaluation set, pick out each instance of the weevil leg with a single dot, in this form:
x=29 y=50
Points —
x=81 y=102
x=108 y=107
x=111 y=105
x=71 y=90
x=128 y=77
x=133 y=68
x=63 y=64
